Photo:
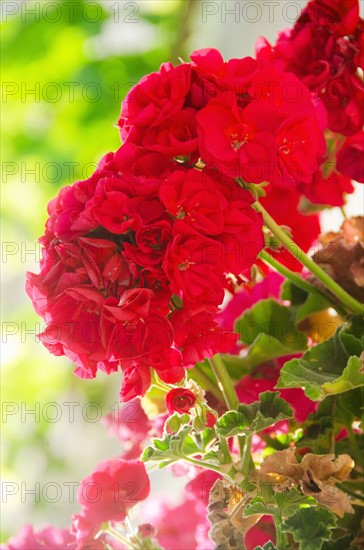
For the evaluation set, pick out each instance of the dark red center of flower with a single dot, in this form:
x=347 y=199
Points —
x=183 y=401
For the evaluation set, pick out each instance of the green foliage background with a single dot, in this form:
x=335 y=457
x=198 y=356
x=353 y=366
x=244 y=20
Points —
x=60 y=135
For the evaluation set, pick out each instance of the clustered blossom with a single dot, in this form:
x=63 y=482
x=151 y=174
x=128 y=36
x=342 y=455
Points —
x=325 y=51
x=134 y=267
x=107 y=494
x=136 y=258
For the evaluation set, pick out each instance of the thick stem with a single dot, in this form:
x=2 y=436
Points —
x=246 y=459
x=224 y=382
x=281 y=541
x=298 y=281
x=290 y=275
x=350 y=302
x=207 y=466
x=207 y=383
x=227 y=389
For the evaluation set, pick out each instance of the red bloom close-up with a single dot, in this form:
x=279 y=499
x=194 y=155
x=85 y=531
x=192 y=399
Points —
x=180 y=400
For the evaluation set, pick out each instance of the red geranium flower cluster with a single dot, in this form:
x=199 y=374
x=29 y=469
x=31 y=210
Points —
x=242 y=117
x=137 y=257
x=134 y=267
x=325 y=51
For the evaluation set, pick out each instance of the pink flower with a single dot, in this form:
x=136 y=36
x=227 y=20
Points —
x=260 y=533
x=48 y=538
x=131 y=426
x=108 y=493
x=247 y=297
x=178 y=526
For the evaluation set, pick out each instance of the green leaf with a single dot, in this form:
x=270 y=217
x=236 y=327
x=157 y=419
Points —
x=339 y=544
x=268 y=546
x=179 y=445
x=258 y=506
x=257 y=416
x=270 y=331
x=310 y=527
x=203 y=374
x=285 y=504
x=351 y=378
x=289 y=501
x=171 y=447
x=328 y=368
x=303 y=302
x=349 y=406
x=176 y=421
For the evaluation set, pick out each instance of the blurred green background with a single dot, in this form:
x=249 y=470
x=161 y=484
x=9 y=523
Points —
x=66 y=68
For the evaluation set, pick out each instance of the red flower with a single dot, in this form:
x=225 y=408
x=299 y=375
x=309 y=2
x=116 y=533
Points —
x=323 y=51
x=198 y=335
x=300 y=144
x=329 y=190
x=193 y=264
x=180 y=400
x=195 y=198
x=210 y=419
x=156 y=115
x=260 y=131
x=233 y=141
x=151 y=243
x=350 y=159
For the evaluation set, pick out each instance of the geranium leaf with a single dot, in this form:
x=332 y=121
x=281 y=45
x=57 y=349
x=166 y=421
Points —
x=329 y=368
x=171 y=447
x=352 y=377
x=310 y=527
x=303 y=302
x=289 y=501
x=270 y=331
x=235 y=366
x=339 y=544
x=268 y=546
x=257 y=416
x=258 y=506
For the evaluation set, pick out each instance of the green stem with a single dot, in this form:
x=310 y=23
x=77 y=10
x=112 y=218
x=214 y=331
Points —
x=246 y=459
x=157 y=382
x=297 y=280
x=293 y=277
x=350 y=302
x=224 y=382
x=117 y=536
x=281 y=537
x=206 y=465
x=206 y=382
x=227 y=389
x=225 y=449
